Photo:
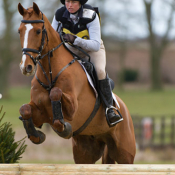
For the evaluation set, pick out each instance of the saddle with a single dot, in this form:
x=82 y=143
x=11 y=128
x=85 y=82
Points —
x=93 y=74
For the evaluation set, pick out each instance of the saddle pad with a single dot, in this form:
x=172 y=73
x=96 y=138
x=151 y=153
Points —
x=93 y=87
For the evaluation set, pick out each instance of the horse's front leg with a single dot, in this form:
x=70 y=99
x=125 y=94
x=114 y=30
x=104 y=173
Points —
x=28 y=111
x=62 y=128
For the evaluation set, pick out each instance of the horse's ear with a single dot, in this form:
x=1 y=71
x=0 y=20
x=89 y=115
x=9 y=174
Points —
x=36 y=8
x=21 y=9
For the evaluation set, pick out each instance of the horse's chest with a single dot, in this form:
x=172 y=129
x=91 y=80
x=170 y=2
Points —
x=41 y=99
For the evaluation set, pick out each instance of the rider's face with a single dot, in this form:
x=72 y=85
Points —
x=72 y=6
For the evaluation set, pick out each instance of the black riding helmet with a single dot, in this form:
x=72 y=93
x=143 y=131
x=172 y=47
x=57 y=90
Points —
x=82 y=2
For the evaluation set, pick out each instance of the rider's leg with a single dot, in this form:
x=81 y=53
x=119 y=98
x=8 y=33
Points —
x=106 y=94
x=99 y=61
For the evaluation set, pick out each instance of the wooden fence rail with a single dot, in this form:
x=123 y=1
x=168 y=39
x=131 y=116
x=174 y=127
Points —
x=41 y=169
x=155 y=132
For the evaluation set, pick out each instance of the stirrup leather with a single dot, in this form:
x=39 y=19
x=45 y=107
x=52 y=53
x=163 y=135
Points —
x=114 y=123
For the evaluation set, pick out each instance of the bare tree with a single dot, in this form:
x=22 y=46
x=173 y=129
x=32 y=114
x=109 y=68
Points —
x=157 y=46
x=6 y=47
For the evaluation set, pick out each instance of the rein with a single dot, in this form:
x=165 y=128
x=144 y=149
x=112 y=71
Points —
x=37 y=59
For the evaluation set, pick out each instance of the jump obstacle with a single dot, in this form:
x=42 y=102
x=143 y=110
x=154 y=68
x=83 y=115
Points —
x=61 y=169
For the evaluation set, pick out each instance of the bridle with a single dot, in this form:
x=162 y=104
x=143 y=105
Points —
x=37 y=59
x=44 y=34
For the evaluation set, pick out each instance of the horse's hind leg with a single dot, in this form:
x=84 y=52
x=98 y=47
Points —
x=121 y=140
x=106 y=159
x=27 y=112
x=86 y=149
x=116 y=151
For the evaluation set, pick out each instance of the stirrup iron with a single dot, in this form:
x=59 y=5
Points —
x=114 y=123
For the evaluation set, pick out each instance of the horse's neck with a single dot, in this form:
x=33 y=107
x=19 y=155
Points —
x=60 y=58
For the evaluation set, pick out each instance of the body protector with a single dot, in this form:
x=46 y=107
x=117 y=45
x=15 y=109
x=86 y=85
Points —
x=86 y=15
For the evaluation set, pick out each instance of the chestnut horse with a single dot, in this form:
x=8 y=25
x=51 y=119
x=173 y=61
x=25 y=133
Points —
x=61 y=96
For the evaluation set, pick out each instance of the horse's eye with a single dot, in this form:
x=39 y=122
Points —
x=38 y=31
x=19 y=31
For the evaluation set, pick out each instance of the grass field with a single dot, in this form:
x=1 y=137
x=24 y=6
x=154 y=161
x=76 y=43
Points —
x=18 y=96
x=149 y=103
x=139 y=102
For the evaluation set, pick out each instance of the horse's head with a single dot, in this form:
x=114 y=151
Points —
x=32 y=36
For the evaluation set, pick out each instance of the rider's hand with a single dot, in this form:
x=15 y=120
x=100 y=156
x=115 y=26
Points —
x=69 y=38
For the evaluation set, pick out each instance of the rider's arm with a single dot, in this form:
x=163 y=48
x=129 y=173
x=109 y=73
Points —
x=93 y=44
x=54 y=23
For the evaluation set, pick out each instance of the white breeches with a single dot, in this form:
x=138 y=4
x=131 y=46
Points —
x=97 y=58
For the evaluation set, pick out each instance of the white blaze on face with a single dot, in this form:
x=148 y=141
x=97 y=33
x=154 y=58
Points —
x=28 y=28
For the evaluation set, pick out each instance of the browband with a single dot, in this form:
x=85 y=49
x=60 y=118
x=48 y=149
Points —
x=32 y=21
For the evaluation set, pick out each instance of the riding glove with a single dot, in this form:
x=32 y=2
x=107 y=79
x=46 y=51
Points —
x=69 y=38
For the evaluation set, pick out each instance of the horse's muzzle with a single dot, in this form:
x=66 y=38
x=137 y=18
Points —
x=28 y=70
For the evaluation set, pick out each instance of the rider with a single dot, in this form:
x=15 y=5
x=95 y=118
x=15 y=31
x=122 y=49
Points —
x=81 y=26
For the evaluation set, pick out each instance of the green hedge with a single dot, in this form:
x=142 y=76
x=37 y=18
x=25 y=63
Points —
x=130 y=75
x=10 y=151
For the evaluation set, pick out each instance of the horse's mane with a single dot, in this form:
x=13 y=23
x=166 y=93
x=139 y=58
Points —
x=48 y=22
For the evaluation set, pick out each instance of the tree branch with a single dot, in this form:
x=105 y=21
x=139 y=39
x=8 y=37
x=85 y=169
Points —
x=148 y=6
x=164 y=41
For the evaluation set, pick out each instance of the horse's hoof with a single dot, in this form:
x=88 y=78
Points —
x=38 y=140
x=67 y=132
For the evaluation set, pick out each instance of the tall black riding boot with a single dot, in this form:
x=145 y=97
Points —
x=106 y=95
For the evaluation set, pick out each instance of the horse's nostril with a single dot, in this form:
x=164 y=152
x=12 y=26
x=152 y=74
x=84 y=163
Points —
x=29 y=68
